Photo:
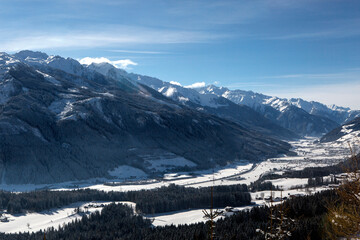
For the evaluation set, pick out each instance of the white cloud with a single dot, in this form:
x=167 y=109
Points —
x=196 y=85
x=175 y=83
x=124 y=63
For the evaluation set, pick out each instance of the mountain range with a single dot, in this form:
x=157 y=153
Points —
x=273 y=116
x=61 y=121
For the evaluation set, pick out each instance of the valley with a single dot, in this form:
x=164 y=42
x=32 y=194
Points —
x=310 y=153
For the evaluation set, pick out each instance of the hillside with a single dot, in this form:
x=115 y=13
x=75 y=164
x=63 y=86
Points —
x=60 y=121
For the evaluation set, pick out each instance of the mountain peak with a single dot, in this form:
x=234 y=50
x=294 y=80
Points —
x=24 y=54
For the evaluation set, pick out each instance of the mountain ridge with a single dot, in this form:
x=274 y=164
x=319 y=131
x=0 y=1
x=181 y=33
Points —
x=60 y=121
x=208 y=103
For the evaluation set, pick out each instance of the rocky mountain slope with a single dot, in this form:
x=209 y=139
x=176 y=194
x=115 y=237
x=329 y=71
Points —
x=281 y=118
x=204 y=102
x=61 y=121
x=302 y=117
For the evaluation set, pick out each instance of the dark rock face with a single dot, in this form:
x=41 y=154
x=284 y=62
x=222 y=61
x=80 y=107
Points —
x=60 y=121
x=348 y=132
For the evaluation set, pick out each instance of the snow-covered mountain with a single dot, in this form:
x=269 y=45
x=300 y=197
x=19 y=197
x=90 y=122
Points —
x=274 y=116
x=298 y=115
x=204 y=102
x=257 y=101
x=347 y=133
x=62 y=121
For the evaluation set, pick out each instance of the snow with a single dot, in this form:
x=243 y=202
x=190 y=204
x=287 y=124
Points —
x=196 y=215
x=288 y=183
x=311 y=153
x=170 y=92
x=33 y=222
x=277 y=103
x=177 y=218
x=107 y=94
x=166 y=162
x=49 y=78
x=125 y=171
x=58 y=106
x=210 y=100
x=183 y=95
x=64 y=107
x=350 y=136
x=38 y=134
x=258 y=101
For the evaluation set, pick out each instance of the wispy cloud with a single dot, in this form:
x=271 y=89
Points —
x=350 y=74
x=139 y=52
x=123 y=63
x=123 y=35
x=334 y=29
x=317 y=35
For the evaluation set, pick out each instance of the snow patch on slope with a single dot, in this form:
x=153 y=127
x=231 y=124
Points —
x=49 y=78
x=125 y=171
x=166 y=162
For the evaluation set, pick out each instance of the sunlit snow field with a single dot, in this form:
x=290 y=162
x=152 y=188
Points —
x=309 y=151
x=33 y=222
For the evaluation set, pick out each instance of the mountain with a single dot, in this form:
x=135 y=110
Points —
x=277 y=117
x=302 y=117
x=347 y=133
x=204 y=102
x=61 y=121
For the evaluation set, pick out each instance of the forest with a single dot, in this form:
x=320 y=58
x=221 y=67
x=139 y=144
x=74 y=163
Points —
x=119 y=222
x=164 y=199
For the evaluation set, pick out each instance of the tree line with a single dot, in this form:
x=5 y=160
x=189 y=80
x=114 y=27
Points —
x=119 y=222
x=164 y=199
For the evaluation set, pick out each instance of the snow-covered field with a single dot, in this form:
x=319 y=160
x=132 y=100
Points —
x=196 y=215
x=33 y=222
x=310 y=153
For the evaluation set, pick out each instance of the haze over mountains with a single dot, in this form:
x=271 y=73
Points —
x=62 y=121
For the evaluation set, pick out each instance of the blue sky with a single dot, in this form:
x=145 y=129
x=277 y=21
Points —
x=287 y=48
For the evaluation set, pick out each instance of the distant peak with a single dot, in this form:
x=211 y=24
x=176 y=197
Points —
x=31 y=54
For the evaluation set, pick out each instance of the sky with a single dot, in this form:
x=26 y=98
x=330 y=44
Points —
x=286 y=48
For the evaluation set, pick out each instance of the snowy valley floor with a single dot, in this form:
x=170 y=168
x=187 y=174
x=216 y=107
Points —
x=309 y=151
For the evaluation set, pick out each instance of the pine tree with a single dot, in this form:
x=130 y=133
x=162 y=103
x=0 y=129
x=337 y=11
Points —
x=280 y=225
